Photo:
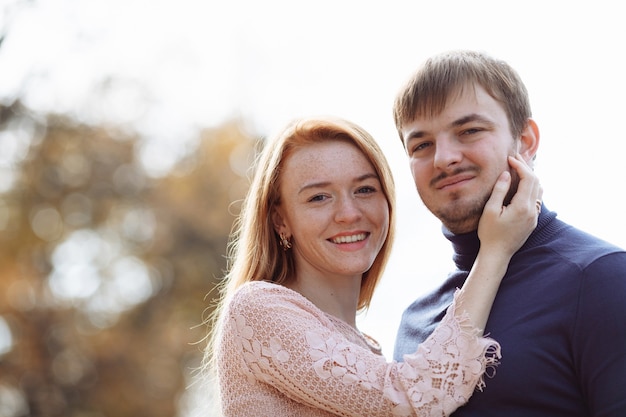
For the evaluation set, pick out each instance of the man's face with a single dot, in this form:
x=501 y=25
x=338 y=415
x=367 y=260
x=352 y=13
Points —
x=457 y=156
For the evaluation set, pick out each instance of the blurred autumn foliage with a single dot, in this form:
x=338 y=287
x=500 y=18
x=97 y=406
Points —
x=104 y=270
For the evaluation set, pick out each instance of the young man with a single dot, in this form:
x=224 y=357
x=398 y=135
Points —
x=560 y=312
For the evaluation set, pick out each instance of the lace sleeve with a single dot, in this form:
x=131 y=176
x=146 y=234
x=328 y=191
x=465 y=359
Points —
x=285 y=342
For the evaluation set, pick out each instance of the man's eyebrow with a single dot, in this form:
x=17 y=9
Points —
x=415 y=135
x=474 y=117
x=470 y=118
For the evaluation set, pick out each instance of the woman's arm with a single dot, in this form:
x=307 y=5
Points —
x=273 y=337
x=502 y=231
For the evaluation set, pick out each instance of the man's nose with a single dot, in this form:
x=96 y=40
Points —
x=447 y=153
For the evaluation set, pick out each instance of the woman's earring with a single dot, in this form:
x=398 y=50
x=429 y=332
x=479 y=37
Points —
x=284 y=242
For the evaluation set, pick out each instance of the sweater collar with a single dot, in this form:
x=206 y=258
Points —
x=466 y=245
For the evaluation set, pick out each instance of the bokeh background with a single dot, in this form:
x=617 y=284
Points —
x=127 y=129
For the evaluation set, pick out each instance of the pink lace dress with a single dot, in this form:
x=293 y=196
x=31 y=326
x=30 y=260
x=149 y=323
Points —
x=279 y=355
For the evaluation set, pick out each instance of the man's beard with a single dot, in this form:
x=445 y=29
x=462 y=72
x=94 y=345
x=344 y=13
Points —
x=463 y=217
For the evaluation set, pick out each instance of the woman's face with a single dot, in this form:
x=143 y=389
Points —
x=333 y=208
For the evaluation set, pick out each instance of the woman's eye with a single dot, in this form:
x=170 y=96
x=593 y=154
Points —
x=319 y=197
x=366 y=190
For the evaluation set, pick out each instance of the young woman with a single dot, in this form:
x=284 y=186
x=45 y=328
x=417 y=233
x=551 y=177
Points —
x=310 y=245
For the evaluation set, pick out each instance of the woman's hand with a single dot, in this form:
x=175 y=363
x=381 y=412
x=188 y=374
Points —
x=504 y=229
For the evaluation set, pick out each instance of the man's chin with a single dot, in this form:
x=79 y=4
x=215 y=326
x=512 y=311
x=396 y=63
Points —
x=460 y=227
x=460 y=218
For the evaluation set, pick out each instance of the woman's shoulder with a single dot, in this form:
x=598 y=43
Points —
x=273 y=306
x=268 y=295
x=264 y=289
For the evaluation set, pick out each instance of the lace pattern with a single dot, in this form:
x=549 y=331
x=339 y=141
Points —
x=279 y=355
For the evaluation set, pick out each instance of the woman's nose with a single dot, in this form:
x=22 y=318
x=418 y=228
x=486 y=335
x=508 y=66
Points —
x=347 y=210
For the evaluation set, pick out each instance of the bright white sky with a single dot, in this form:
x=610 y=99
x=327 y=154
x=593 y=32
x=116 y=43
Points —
x=200 y=62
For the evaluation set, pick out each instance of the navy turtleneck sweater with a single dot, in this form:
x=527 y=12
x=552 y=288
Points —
x=560 y=317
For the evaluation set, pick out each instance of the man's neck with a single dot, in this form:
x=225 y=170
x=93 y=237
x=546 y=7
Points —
x=465 y=246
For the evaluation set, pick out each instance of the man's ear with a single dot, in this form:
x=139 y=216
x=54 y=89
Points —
x=529 y=142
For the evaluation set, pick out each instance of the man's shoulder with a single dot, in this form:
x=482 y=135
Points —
x=578 y=246
x=436 y=300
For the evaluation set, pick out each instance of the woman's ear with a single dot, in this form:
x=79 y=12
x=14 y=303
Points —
x=529 y=142
x=278 y=221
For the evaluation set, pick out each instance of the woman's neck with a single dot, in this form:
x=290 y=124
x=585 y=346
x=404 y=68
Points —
x=338 y=298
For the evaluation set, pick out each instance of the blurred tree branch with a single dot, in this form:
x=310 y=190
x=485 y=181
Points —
x=103 y=269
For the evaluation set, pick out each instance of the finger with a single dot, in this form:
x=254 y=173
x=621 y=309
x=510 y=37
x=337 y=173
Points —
x=520 y=166
x=527 y=199
x=529 y=188
x=498 y=194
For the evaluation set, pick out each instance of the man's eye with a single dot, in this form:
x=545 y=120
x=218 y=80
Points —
x=471 y=131
x=420 y=147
